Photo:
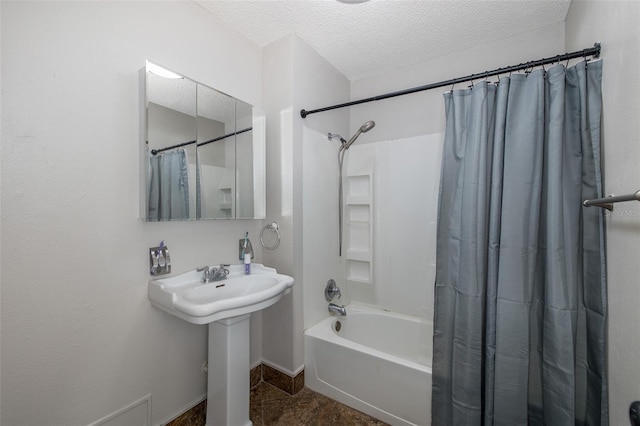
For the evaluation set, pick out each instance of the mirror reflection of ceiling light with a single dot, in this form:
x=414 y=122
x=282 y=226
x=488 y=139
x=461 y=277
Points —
x=158 y=70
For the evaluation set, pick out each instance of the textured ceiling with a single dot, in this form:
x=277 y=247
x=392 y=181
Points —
x=370 y=38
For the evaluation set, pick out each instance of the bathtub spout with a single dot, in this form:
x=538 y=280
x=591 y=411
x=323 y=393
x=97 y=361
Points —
x=340 y=310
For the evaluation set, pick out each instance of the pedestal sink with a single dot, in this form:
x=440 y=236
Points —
x=226 y=306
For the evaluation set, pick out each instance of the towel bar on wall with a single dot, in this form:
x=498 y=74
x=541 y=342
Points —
x=607 y=203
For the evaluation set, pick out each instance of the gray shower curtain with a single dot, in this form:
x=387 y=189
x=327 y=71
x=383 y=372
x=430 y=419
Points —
x=520 y=296
x=168 y=186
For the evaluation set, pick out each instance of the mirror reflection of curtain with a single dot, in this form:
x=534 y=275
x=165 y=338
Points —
x=520 y=308
x=168 y=186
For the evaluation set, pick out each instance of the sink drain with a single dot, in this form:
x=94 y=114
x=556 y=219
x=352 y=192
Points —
x=337 y=326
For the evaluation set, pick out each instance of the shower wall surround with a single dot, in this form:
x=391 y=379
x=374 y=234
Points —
x=391 y=191
x=404 y=198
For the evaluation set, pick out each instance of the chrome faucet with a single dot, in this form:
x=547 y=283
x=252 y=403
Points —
x=214 y=274
x=340 y=310
x=219 y=274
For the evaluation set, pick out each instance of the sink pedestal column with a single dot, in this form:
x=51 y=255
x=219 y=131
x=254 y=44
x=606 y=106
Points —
x=228 y=384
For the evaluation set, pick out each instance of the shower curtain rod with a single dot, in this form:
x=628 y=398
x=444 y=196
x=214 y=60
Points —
x=219 y=138
x=591 y=51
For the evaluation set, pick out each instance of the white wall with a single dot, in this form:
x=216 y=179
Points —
x=316 y=83
x=294 y=77
x=617 y=26
x=79 y=336
x=277 y=321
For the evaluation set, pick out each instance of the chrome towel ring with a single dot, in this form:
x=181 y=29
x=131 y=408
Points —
x=273 y=235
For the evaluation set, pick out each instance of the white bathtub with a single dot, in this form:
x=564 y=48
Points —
x=378 y=363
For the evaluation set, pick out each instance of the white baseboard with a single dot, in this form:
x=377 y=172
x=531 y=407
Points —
x=134 y=413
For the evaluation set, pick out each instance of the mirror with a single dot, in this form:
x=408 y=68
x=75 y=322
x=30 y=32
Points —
x=204 y=152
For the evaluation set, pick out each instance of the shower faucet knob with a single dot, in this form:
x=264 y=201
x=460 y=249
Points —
x=331 y=291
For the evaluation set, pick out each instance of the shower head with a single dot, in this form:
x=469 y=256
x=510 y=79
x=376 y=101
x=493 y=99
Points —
x=363 y=129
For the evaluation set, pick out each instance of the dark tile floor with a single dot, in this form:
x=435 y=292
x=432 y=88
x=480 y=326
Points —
x=269 y=406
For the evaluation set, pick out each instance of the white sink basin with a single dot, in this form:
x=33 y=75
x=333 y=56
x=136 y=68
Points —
x=186 y=297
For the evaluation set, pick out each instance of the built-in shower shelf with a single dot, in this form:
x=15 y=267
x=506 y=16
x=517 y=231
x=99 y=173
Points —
x=361 y=280
x=358 y=213
x=358 y=200
x=361 y=255
x=359 y=226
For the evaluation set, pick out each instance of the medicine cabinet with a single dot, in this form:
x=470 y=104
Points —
x=203 y=151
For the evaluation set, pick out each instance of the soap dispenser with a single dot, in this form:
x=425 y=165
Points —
x=160 y=260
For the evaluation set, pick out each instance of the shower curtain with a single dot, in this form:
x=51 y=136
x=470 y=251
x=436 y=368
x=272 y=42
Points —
x=520 y=296
x=168 y=186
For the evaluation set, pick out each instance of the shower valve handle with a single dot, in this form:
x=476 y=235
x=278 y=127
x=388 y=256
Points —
x=331 y=291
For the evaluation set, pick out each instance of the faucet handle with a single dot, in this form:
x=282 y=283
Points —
x=223 y=267
x=204 y=269
x=331 y=291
